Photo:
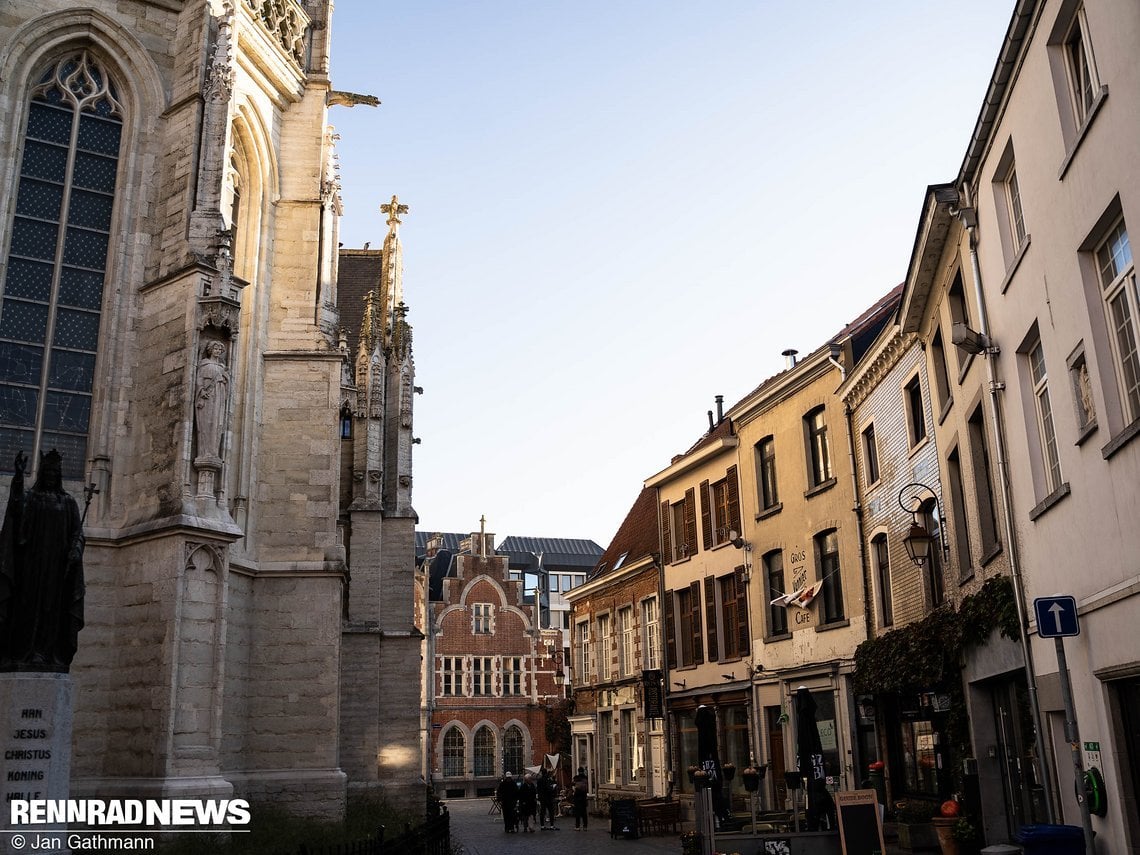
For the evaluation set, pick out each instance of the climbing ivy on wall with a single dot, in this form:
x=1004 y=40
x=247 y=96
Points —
x=928 y=653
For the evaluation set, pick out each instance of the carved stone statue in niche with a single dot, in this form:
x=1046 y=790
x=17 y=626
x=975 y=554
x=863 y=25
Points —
x=41 y=572
x=211 y=404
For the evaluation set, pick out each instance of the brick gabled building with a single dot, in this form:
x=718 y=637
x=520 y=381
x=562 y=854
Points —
x=618 y=722
x=493 y=689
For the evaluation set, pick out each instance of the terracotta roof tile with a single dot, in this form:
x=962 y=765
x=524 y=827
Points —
x=636 y=537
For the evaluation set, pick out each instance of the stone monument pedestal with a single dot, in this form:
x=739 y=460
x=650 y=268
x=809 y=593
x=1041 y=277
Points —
x=35 y=743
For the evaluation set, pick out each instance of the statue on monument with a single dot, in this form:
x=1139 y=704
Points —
x=41 y=571
x=211 y=400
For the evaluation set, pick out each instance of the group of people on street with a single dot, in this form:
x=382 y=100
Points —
x=520 y=801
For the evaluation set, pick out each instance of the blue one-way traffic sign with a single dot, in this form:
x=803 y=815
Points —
x=1056 y=617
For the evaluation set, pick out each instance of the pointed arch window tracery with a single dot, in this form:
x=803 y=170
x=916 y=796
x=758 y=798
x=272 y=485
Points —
x=58 y=241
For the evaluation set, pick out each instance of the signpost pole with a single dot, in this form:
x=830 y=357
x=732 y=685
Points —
x=1073 y=735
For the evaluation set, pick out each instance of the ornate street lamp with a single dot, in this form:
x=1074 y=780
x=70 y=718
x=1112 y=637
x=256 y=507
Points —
x=918 y=541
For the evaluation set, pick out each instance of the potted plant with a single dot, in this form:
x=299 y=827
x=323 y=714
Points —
x=915 y=825
x=691 y=843
x=944 y=822
x=967 y=836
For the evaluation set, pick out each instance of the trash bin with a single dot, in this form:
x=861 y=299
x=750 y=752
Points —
x=1051 y=839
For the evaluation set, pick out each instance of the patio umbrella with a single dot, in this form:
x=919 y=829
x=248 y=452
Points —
x=708 y=757
x=809 y=751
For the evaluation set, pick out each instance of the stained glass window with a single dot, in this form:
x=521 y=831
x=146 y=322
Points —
x=57 y=260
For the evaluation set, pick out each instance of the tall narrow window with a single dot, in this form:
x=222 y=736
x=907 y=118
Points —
x=959 y=314
x=481 y=618
x=870 y=455
x=651 y=622
x=932 y=522
x=685 y=634
x=958 y=515
x=582 y=652
x=513 y=750
x=883 y=576
x=625 y=641
x=454 y=751
x=605 y=645
x=774 y=588
x=57 y=262
x=1118 y=287
x=512 y=675
x=915 y=411
x=1047 y=433
x=484 y=752
x=481 y=676
x=731 y=610
x=629 y=747
x=827 y=559
x=679 y=528
x=451 y=676
x=766 y=473
x=941 y=377
x=1016 y=217
x=606 y=745
x=983 y=483
x=1083 y=84
x=819 y=456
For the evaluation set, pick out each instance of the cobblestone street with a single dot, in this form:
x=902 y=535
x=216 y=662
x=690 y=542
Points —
x=482 y=833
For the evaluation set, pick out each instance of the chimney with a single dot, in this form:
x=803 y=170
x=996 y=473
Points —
x=711 y=423
x=719 y=409
x=434 y=545
x=790 y=356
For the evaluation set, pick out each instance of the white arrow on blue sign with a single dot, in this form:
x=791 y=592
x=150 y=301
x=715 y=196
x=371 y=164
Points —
x=1056 y=617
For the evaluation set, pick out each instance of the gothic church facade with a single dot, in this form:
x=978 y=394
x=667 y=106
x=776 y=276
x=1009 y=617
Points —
x=169 y=322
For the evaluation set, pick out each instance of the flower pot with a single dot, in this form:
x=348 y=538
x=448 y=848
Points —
x=944 y=828
x=916 y=836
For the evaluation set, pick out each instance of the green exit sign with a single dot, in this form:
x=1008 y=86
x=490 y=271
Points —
x=1092 y=746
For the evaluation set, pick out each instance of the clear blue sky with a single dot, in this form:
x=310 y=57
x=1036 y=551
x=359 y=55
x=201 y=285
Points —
x=622 y=208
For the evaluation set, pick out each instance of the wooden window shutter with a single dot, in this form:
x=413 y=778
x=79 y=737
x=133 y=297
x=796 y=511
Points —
x=710 y=617
x=706 y=516
x=666 y=540
x=734 y=501
x=744 y=634
x=691 y=521
x=698 y=642
x=670 y=633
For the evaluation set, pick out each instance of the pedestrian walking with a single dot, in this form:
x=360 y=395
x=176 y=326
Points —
x=547 y=800
x=528 y=803
x=508 y=795
x=581 y=785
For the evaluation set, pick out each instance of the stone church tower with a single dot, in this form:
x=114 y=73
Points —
x=169 y=323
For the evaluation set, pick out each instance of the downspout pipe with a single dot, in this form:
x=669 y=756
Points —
x=663 y=653
x=969 y=218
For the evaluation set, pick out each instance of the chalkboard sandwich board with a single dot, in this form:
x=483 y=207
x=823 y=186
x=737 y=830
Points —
x=860 y=823
x=623 y=818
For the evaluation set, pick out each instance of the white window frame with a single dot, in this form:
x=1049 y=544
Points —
x=818 y=448
x=482 y=676
x=1080 y=68
x=1116 y=278
x=450 y=676
x=651 y=627
x=1012 y=188
x=1043 y=406
x=605 y=644
x=514 y=675
x=582 y=651
x=625 y=641
x=482 y=618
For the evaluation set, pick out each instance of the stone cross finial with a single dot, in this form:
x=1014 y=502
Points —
x=393 y=209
